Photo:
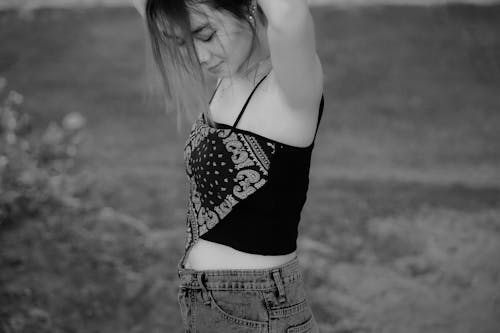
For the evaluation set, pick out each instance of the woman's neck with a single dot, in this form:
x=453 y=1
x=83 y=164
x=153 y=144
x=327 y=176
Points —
x=257 y=69
x=259 y=62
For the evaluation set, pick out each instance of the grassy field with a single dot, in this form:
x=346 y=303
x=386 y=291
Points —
x=401 y=229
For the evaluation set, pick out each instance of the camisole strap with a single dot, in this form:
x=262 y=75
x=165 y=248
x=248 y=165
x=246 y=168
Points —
x=321 y=106
x=248 y=100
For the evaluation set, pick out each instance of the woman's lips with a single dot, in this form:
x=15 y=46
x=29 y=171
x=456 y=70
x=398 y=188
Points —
x=214 y=67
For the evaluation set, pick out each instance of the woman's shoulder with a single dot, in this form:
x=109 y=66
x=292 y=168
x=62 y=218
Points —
x=267 y=113
x=271 y=116
x=296 y=125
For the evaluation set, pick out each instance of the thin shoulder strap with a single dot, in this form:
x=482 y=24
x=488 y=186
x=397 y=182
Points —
x=248 y=100
x=321 y=106
x=213 y=94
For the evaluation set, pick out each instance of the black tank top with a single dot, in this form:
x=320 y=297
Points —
x=246 y=191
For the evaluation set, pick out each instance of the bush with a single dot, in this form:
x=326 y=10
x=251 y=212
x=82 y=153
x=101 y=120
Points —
x=36 y=168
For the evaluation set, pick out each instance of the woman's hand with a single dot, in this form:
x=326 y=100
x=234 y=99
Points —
x=140 y=5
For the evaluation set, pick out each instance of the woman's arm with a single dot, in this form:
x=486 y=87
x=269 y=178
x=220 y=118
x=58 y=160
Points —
x=292 y=45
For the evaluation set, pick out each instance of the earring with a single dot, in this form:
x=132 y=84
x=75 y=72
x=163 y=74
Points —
x=251 y=16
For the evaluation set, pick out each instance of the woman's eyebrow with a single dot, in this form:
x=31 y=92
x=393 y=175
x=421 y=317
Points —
x=195 y=31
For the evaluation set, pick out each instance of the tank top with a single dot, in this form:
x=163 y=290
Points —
x=246 y=191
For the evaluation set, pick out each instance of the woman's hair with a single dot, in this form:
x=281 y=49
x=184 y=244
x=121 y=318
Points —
x=183 y=83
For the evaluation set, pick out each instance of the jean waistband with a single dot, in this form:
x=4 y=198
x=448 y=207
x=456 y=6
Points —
x=256 y=279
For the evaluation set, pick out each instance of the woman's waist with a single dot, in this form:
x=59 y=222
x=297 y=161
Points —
x=207 y=255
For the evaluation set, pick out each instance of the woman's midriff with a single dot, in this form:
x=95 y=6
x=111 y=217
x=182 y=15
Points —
x=209 y=255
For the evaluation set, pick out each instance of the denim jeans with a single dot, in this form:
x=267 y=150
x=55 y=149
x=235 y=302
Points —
x=270 y=300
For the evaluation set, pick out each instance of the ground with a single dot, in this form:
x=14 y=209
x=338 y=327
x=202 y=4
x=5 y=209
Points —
x=401 y=228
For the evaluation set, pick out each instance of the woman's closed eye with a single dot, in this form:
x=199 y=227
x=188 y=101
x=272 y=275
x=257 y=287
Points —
x=209 y=38
x=181 y=41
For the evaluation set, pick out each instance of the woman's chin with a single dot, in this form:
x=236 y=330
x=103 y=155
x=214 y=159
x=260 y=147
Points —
x=218 y=75
x=215 y=73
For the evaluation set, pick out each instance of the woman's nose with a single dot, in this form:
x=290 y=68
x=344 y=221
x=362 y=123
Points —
x=203 y=53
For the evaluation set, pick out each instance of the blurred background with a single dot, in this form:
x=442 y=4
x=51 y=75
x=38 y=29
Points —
x=401 y=228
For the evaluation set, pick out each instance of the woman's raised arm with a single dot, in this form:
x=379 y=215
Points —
x=292 y=45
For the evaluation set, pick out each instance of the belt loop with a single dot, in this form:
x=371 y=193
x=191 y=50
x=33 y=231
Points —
x=204 y=294
x=279 y=284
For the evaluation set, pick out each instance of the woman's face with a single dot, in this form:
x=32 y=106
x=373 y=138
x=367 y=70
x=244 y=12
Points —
x=220 y=40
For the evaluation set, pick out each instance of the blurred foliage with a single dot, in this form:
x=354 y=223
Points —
x=66 y=258
x=36 y=168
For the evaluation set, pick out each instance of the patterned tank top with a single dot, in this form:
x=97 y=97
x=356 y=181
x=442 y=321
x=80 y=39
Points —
x=246 y=190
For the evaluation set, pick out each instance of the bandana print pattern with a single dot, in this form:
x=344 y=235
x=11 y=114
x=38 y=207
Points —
x=223 y=168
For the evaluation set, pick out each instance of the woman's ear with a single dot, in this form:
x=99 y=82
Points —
x=140 y=5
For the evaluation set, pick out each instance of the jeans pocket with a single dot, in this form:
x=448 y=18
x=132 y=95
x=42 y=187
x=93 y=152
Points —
x=245 y=308
x=309 y=326
x=295 y=302
x=294 y=315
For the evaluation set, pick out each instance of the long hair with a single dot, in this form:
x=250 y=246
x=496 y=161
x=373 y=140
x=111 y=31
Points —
x=184 y=85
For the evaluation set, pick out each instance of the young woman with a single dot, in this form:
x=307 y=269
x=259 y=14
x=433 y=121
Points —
x=247 y=156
